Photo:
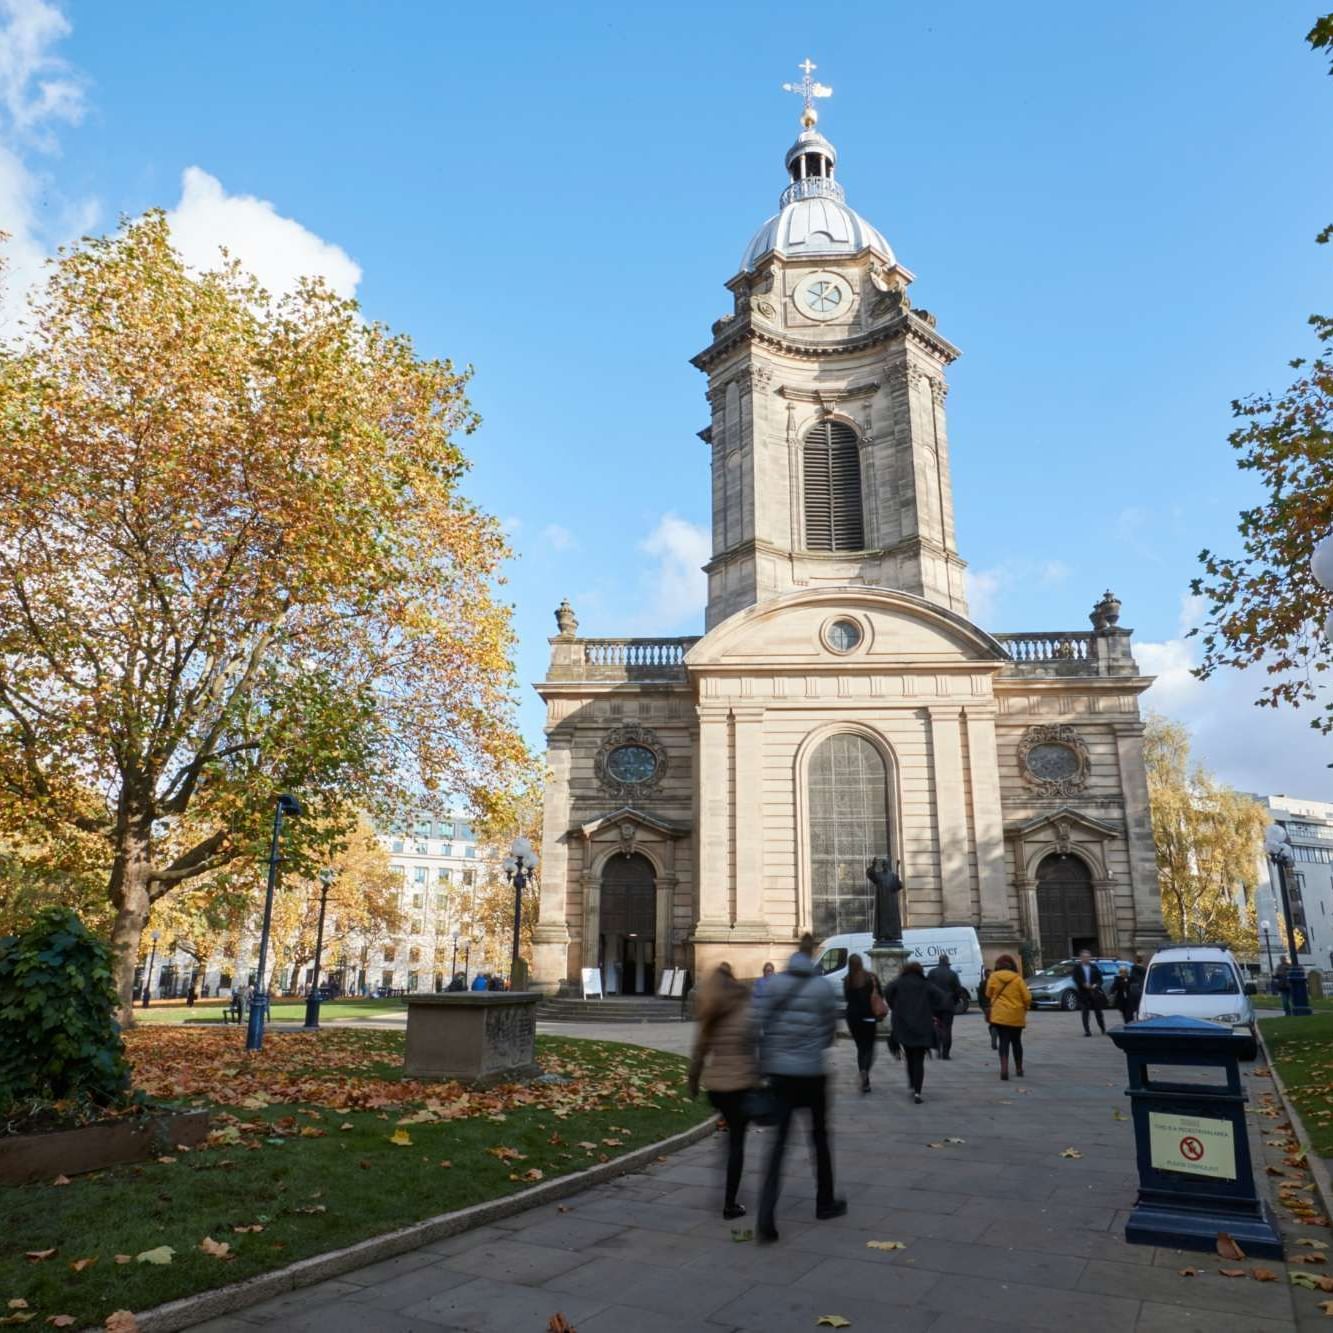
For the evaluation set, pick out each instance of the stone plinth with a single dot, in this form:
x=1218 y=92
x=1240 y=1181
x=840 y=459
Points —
x=482 y=1038
x=886 y=962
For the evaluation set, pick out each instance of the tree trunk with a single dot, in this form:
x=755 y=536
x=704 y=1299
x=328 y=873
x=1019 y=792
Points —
x=129 y=894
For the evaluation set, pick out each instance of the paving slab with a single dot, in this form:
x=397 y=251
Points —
x=1000 y=1232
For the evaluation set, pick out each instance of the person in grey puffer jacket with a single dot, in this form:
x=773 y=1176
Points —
x=797 y=1017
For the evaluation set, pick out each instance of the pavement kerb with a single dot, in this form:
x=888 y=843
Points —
x=195 y=1309
x=1315 y=1163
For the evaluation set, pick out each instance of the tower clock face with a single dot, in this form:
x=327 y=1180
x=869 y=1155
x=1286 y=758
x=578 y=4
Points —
x=823 y=296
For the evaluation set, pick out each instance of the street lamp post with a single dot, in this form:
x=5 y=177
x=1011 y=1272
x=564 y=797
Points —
x=453 y=962
x=254 y=1036
x=1268 y=946
x=519 y=866
x=1280 y=853
x=312 y=1000
x=148 y=976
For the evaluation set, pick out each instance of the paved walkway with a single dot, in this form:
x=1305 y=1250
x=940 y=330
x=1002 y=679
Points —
x=1000 y=1231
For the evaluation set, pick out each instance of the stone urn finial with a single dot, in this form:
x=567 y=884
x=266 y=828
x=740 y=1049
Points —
x=565 y=619
x=1109 y=606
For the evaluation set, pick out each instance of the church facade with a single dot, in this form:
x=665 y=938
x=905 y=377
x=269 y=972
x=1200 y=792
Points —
x=711 y=798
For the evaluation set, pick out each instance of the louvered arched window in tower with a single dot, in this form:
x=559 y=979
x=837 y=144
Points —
x=833 y=489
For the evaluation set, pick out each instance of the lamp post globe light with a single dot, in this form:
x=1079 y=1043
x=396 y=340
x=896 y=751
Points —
x=254 y=1035
x=326 y=877
x=148 y=976
x=1280 y=853
x=520 y=866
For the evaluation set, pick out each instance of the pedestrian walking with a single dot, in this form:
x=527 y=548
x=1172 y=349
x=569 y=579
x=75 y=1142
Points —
x=761 y=985
x=983 y=999
x=1010 y=1000
x=797 y=1017
x=1282 y=983
x=480 y=982
x=946 y=980
x=1122 y=995
x=865 y=1007
x=915 y=1003
x=1089 y=992
x=725 y=1062
x=1138 y=974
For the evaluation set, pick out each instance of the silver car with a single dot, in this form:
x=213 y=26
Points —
x=1053 y=987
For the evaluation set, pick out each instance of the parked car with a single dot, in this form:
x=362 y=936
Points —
x=1201 y=981
x=1053 y=987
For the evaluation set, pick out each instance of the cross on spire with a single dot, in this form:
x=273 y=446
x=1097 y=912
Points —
x=808 y=89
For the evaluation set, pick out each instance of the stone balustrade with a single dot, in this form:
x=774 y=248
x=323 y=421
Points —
x=656 y=659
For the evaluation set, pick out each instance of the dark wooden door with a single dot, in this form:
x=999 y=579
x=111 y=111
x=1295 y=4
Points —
x=1066 y=908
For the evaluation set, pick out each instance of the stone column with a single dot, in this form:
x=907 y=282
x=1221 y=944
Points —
x=1149 y=931
x=988 y=825
x=1108 y=928
x=950 y=814
x=714 y=832
x=550 y=938
x=749 y=730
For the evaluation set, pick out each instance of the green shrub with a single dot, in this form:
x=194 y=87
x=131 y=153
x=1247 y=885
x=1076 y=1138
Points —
x=59 y=1039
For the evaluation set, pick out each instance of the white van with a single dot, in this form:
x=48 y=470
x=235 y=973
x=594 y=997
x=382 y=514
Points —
x=1201 y=981
x=958 y=943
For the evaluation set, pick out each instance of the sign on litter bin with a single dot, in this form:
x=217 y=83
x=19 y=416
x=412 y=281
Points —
x=1196 y=1178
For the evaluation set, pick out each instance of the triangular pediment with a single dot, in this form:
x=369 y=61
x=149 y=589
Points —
x=637 y=819
x=1070 y=818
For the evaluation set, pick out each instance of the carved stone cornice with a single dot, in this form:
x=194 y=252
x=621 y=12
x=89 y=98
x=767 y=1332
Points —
x=903 y=328
x=822 y=395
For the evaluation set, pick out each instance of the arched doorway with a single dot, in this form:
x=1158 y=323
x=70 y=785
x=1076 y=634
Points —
x=848 y=790
x=627 y=927
x=1066 y=908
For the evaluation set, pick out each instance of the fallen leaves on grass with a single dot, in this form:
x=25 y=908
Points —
x=163 y=1254
x=38 y=1255
x=885 y=1245
x=18 y=1303
x=124 y=1258
x=18 y=1317
x=1228 y=1249
x=512 y=1154
x=121 y=1321
x=78 y=1265
x=532 y=1173
x=400 y=1138
x=219 y=1249
x=61 y=1320
x=61 y=1180
x=254 y=1226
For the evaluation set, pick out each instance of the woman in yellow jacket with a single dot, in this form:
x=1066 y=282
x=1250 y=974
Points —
x=1010 y=1000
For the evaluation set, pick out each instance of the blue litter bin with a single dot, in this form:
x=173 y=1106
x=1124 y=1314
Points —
x=1196 y=1178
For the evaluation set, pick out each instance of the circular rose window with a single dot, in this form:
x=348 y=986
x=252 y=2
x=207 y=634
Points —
x=843 y=636
x=631 y=763
x=1052 y=762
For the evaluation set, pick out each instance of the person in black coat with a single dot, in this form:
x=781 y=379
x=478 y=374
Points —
x=1089 y=991
x=1122 y=995
x=945 y=979
x=859 y=989
x=914 y=1003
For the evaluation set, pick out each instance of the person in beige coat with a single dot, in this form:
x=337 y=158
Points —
x=725 y=1062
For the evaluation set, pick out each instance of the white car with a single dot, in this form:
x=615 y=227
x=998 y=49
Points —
x=959 y=944
x=1200 y=981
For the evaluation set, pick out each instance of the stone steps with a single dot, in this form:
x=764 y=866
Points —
x=615 y=1009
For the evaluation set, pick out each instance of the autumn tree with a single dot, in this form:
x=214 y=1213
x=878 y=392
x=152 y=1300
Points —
x=1209 y=843
x=490 y=909
x=235 y=559
x=1263 y=605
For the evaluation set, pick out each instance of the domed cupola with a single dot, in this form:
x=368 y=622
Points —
x=814 y=217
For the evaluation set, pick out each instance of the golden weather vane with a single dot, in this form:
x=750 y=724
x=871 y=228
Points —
x=808 y=89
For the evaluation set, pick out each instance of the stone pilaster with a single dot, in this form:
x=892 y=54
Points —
x=550 y=938
x=950 y=814
x=988 y=824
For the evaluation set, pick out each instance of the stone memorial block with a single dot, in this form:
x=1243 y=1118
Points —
x=481 y=1037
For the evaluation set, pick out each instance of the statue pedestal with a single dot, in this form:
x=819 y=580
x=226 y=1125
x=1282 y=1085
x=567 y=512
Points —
x=480 y=1037
x=886 y=962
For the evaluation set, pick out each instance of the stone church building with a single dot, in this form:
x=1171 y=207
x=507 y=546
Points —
x=711 y=798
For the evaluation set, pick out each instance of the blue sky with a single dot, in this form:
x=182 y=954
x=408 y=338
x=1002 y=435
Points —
x=1110 y=209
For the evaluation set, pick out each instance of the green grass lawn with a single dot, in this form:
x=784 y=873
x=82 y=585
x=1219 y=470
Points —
x=284 y=1011
x=1275 y=1002
x=1302 y=1050
x=304 y=1155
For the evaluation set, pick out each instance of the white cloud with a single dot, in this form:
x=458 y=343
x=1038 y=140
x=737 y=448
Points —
x=38 y=92
x=279 y=251
x=512 y=525
x=560 y=538
x=986 y=588
x=1263 y=750
x=677 y=588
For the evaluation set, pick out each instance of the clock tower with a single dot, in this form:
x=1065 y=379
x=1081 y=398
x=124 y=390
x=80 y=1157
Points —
x=828 y=441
